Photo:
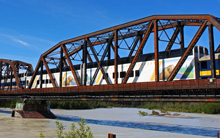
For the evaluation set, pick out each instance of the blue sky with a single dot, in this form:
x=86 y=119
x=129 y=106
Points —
x=28 y=28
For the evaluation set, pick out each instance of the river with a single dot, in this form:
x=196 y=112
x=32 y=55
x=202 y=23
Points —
x=124 y=122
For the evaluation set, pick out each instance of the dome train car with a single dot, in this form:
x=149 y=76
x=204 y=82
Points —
x=205 y=66
x=144 y=70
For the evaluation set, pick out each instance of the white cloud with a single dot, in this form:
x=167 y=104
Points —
x=16 y=39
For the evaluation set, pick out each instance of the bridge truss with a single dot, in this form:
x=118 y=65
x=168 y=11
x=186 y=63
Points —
x=10 y=69
x=127 y=40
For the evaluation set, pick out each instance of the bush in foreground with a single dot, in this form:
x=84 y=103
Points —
x=82 y=132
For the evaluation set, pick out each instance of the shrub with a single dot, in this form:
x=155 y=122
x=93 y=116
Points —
x=141 y=113
x=82 y=132
x=155 y=113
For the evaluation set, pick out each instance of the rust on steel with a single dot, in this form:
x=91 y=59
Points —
x=116 y=58
x=71 y=65
x=156 y=57
x=110 y=135
x=35 y=73
x=98 y=62
x=134 y=30
x=189 y=49
x=211 y=48
x=185 y=91
x=217 y=49
x=182 y=36
x=145 y=38
x=107 y=50
x=210 y=18
x=173 y=38
x=49 y=73
x=13 y=67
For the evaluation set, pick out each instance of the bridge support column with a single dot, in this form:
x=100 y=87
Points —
x=26 y=110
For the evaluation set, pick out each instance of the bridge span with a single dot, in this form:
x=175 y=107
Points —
x=206 y=90
x=104 y=65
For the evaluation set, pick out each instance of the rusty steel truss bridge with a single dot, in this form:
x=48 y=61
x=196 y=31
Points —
x=130 y=39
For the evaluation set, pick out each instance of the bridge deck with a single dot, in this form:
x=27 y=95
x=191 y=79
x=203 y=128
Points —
x=185 y=90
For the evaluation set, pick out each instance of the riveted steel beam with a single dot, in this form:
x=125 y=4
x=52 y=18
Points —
x=49 y=73
x=217 y=49
x=98 y=62
x=35 y=73
x=211 y=18
x=61 y=66
x=181 y=36
x=71 y=65
x=41 y=74
x=137 y=38
x=116 y=58
x=145 y=38
x=84 y=71
x=211 y=49
x=107 y=50
x=156 y=56
x=1 y=74
x=12 y=68
x=6 y=76
x=189 y=49
x=173 y=38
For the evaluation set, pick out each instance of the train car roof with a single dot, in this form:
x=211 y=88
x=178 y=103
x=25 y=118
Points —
x=207 y=57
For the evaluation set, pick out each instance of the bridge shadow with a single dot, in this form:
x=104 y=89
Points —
x=5 y=112
x=182 y=129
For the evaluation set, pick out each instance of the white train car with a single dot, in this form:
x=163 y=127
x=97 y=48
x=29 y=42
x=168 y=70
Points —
x=144 y=70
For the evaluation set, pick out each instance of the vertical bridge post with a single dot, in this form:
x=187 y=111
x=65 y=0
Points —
x=156 y=57
x=211 y=48
x=116 y=58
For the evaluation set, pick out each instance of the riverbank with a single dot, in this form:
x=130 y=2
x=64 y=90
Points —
x=124 y=122
x=208 y=108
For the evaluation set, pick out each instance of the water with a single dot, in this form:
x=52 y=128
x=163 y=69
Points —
x=124 y=122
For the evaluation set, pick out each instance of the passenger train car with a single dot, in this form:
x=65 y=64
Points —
x=205 y=66
x=144 y=70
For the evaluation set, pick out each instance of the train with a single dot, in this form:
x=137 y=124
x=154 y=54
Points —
x=196 y=66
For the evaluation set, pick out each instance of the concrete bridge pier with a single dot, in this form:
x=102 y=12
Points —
x=26 y=110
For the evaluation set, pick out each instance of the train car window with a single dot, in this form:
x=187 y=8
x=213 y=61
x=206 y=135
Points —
x=38 y=82
x=132 y=74
x=106 y=75
x=203 y=65
x=137 y=73
x=47 y=81
x=114 y=75
x=122 y=74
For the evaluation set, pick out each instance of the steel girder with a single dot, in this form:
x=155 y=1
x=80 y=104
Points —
x=10 y=69
x=107 y=43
